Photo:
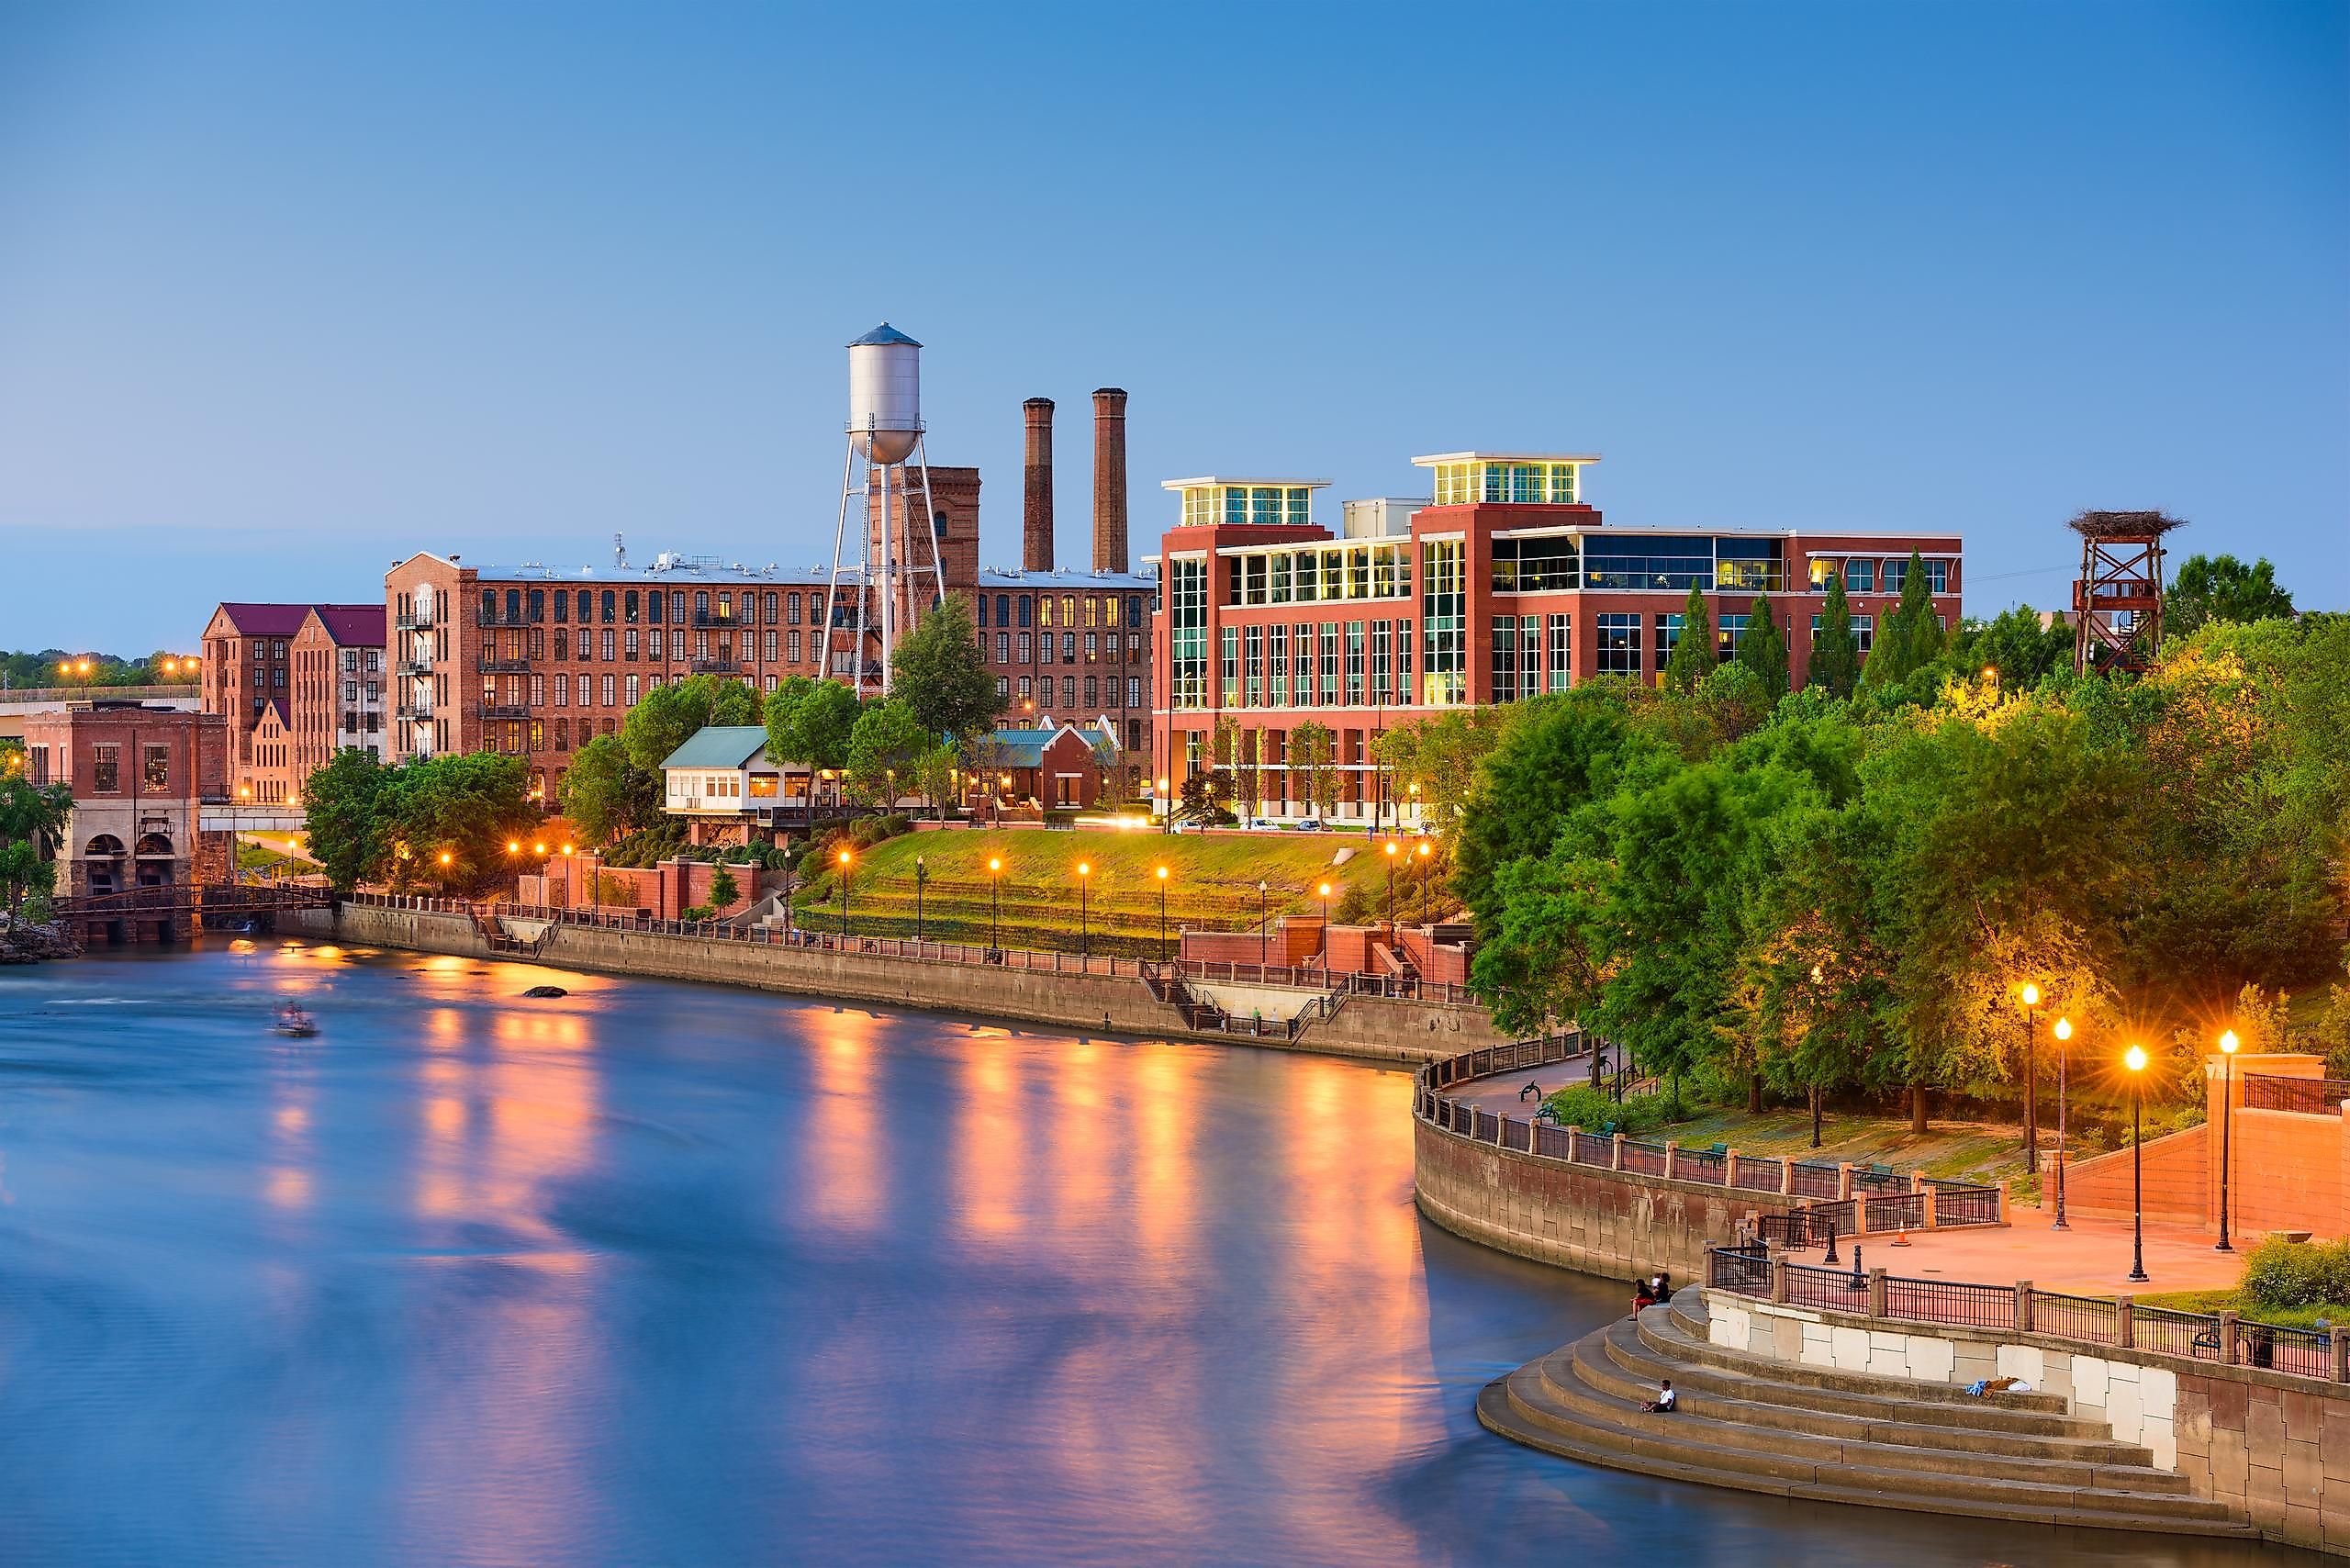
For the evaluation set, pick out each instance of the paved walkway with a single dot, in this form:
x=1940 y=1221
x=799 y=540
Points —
x=2090 y=1259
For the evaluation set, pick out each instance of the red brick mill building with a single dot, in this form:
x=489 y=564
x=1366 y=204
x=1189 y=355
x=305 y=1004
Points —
x=1506 y=584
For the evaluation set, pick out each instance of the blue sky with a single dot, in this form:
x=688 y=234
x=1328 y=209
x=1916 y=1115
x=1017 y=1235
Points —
x=287 y=290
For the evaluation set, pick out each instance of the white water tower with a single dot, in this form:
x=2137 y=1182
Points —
x=884 y=429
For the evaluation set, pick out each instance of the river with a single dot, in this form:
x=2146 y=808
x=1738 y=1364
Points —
x=658 y=1274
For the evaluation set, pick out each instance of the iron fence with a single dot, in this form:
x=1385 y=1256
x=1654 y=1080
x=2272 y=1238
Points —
x=1701 y=1165
x=1952 y=1302
x=1835 y=1290
x=2306 y=1096
x=1759 y=1173
x=1591 y=1149
x=1815 y=1180
x=1871 y=1178
x=1553 y=1143
x=1745 y=1270
x=2084 y=1317
x=2188 y=1334
x=1898 y=1211
x=1797 y=1231
x=1962 y=1202
x=1643 y=1158
x=2302 y=1351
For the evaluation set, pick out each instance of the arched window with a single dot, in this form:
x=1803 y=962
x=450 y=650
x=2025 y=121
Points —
x=629 y=607
x=587 y=607
x=105 y=847
x=155 y=844
x=652 y=607
x=489 y=604
x=513 y=604
x=938 y=524
x=538 y=605
x=774 y=605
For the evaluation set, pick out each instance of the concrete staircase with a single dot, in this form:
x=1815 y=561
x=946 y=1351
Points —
x=1761 y=1425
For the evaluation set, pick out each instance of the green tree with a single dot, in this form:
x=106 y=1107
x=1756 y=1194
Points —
x=1913 y=635
x=724 y=888
x=342 y=803
x=1314 y=766
x=2220 y=588
x=32 y=823
x=809 y=723
x=941 y=671
x=669 y=716
x=606 y=795
x=468 y=806
x=1835 y=663
x=885 y=744
x=1434 y=761
x=1694 y=657
x=1559 y=754
x=2015 y=646
x=1763 y=648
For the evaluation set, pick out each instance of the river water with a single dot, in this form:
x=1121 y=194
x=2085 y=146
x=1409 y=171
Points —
x=662 y=1275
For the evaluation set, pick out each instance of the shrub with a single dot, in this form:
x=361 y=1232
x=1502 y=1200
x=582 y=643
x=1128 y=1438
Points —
x=697 y=912
x=1591 y=1109
x=2303 y=1274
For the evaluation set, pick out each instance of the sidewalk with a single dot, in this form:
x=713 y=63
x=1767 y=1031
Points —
x=2090 y=1259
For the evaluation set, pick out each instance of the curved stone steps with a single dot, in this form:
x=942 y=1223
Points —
x=1681 y=1333
x=1581 y=1403
x=1975 y=1425
x=1890 y=1445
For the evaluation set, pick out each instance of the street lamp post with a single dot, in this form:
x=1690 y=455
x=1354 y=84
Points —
x=445 y=860
x=2031 y=996
x=1264 y=928
x=567 y=884
x=844 y=898
x=1392 y=848
x=1422 y=854
x=1162 y=914
x=1084 y=921
x=1166 y=809
x=237 y=834
x=2063 y=1032
x=921 y=875
x=2136 y=1062
x=2227 y=1125
x=995 y=904
x=1326 y=930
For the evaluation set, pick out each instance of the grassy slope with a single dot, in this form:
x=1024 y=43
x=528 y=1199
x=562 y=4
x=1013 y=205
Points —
x=1212 y=882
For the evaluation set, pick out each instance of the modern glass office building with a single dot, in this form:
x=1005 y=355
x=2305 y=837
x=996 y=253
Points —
x=1506 y=584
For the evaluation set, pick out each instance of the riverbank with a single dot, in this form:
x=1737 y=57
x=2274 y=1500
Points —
x=23 y=943
x=1371 y=1028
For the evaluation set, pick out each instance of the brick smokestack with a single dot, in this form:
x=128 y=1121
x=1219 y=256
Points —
x=1110 y=480
x=1037 y=503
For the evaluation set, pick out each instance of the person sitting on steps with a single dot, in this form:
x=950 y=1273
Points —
x=1665 y=1402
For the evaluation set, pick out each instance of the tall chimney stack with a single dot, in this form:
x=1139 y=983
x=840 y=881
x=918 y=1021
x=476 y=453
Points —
x=1110 y=480
x=1036 y=504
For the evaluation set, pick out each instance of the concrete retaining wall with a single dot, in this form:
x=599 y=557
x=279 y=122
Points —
x=2274 y=1447
x=1578 y=1216
x=1374 y=1028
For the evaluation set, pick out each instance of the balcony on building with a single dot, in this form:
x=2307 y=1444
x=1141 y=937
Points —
x=505 y=667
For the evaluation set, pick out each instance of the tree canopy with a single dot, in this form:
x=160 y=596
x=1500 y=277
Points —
x=371 y=822
x=808 y=721
x=940 y=672
x=2220 y=588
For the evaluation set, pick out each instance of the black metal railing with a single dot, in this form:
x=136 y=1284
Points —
x=2304 y=1096
x=1759 y=1173
x=1810 y=1180
x=1964 y=1203
x=1951 y=1301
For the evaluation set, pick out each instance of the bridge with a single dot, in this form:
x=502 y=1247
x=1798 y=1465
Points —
x=176 y=903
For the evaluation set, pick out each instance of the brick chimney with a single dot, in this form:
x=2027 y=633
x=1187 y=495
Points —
x=1110 y=480
x=1036 y=505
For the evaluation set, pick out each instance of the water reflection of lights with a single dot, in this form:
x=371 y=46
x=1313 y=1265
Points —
x=842 y=1180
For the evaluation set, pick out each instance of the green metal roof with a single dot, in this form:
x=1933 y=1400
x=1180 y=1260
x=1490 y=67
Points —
x=720 y=746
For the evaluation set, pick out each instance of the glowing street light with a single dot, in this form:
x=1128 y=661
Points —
x=2029 y=995
x=921 y=875
x=995 y=905
x=1084 y=938
x=1424 y=851
x=844 y=896
x=1264 y=926
x=2228 y=1046
x=1162 y=914
x=1392 y=849
x=2063 y=1032
x=2135 y=1060
x=1324 y=891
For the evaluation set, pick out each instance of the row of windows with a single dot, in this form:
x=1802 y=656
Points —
x=1100 y=692
x=1862 y=574
x=1037 y=647
x=1260 y=504
x=1331 y=664
x=1505 y=483
x=106 y=767
x=1100 y=610
x=1320 y=573
x=725 y=606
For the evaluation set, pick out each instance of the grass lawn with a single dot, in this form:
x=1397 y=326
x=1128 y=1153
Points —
x=1953 y=1151
x=274 y=853
x=1212 y=883
x=2251 y=1311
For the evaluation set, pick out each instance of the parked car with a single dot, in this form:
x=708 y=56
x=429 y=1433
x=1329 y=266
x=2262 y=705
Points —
x=1310 y=824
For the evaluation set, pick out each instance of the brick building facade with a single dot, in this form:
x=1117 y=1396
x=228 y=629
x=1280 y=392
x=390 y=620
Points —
x=139 y=775
x=1506 y=584
x=266 y=668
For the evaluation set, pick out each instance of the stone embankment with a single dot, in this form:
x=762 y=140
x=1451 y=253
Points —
x=1378 y=1029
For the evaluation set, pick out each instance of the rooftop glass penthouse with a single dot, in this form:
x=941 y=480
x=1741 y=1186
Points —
x=1505 y=584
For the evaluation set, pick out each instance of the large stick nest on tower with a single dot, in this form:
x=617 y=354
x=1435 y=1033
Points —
x=2124 y=525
